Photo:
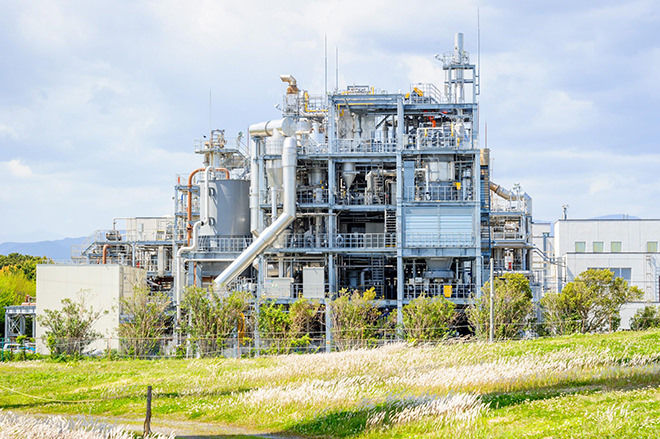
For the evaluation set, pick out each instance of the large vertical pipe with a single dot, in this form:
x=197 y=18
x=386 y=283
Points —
x=105 y=253
x=189 y=228
x=254 y=187
x=177 y=268
x=268 y=236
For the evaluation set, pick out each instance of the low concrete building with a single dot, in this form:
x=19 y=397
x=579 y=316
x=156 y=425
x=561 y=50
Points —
x=628 y=247
x=100 y=286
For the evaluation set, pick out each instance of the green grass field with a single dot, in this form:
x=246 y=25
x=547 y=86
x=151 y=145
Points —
x=578 y=386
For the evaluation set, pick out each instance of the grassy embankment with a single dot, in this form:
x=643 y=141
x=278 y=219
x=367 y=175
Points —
x=578 y=386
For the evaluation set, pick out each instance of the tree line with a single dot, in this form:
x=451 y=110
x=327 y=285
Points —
x=18 y=279
x=590 y=303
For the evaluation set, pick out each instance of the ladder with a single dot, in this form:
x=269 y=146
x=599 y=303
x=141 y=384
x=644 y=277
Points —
x=390 y=221
x=378 y=274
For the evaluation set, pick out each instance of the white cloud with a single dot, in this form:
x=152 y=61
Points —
x=8 y=131
x=17 y=169
x=104 y=98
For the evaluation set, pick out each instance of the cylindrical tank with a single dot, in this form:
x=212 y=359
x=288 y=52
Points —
x=458 y=44
x=228 y=208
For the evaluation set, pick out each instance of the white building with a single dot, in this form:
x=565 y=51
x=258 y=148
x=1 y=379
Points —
x=100 y=286
x=628 y=247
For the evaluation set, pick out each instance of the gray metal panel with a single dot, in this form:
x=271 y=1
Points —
x=228 y=209
x=433 y=226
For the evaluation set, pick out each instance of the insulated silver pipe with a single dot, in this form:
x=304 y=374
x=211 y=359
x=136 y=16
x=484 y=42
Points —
x=270 y=234
x=254 y=188
x=286 y=126
x=508 y=195
x=177 y=268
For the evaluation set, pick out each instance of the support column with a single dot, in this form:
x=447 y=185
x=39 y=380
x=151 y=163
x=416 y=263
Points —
x=330 y=296
x=332 y=224
x=257 y=304
x=400 y=277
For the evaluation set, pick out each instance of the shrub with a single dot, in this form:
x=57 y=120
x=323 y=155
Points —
x=591 y=303
x=354 y=318
x=512 y=305
x=71 y=329
x=283 y=330
x=646 y=318
x=145 y=321
x=426 y=318
x=274 y=324
x=211 y=319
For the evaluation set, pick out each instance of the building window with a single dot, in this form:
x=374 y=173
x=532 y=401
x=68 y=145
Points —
x=598 y=246
x=652 y=247
x=616 y=247
x=580 y=246
x=623 y=273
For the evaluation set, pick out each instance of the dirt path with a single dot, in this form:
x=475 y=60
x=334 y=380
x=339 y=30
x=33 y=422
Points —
x=197 y=430
x=182 y=429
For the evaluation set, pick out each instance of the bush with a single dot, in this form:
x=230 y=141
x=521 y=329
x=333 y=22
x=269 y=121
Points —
x=212 y=319
x=70 y=330
x=512 y=304
x=274 y=324
x=646 y=318
x=283 y=330
x=591 y=303
x=145 y=322
x=426 y=318
x=354 y=318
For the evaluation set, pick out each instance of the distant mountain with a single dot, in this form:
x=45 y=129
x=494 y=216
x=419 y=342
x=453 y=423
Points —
x=56 y=250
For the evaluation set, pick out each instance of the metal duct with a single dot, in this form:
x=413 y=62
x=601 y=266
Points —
x=508 y=195
x=270 y=234
x=264 y=129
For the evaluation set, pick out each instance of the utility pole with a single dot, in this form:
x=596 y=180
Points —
x=491 y=332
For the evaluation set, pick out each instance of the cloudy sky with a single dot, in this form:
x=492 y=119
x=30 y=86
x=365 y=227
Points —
x=100 y=101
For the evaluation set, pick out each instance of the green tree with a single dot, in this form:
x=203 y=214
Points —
x=646 y=318
x=211 y=319
x=283 y=330
x=25 y=263
x=512 y=304
x=144 y=321
x=274 y=324
x=304 y=316
x=354 y=318
x=14 y=287
x=590 y=303
x=428 y=318
x=17 y=280
x=71 y=329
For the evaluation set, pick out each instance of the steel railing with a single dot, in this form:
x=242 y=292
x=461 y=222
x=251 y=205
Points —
x=448 y=290
x=365 y=240
x=224 y=244
x=438 y=193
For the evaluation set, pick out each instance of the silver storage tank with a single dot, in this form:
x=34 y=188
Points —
x=228 y=208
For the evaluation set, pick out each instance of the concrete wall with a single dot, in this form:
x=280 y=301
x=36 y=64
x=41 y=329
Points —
x=101 y=287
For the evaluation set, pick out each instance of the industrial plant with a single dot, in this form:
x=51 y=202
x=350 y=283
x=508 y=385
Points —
x=354 y=189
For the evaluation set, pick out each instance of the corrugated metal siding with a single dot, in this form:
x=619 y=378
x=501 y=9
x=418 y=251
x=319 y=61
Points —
x=422 y=230
x=427 y=228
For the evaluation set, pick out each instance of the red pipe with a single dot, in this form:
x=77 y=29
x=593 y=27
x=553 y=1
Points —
x=189 y=216
x=105 y=253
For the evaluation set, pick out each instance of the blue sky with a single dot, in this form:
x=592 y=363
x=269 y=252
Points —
x=100 y=101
